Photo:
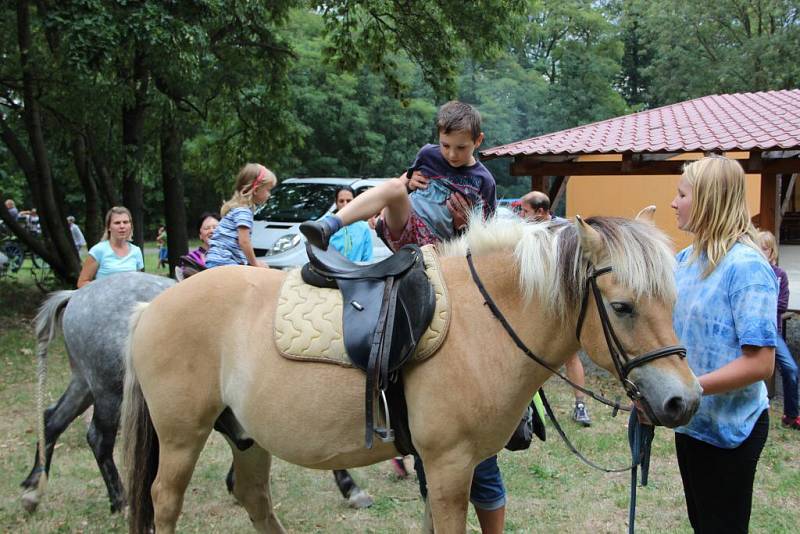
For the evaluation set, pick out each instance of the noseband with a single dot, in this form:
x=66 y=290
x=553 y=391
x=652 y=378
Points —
x=623 y=363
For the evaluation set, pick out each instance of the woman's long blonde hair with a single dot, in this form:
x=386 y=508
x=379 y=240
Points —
x=250 y=177
x=719 y=217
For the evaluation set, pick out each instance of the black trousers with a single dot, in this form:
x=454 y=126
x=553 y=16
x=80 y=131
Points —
x=718 y=483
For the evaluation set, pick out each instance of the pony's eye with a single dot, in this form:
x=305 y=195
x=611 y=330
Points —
x=622 y=308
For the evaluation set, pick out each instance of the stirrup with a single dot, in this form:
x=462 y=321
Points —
x=386 y=435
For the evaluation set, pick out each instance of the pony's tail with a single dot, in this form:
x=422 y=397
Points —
x=48 y=323
x=140 y=442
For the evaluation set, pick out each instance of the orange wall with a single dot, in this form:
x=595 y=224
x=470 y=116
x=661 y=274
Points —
x=624 y=196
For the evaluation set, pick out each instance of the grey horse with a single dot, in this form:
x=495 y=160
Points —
x=94 y=320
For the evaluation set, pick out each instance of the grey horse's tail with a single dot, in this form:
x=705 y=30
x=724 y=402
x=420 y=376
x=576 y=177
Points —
x=140 y=441
x=48 y=323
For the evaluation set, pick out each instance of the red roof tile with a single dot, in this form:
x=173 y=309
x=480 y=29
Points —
x=742 y=121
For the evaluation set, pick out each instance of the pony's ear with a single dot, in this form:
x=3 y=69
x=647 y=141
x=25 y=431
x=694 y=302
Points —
x=647 y=215
x=591 y=242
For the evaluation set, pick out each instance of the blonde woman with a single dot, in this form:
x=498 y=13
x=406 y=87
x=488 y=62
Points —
x=783 y=356
x=725 y=316
x=114 y=254
x=230 y=244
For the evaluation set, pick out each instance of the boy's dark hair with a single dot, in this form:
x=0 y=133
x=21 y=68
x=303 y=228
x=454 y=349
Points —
x=343 y=188
x=456 y=116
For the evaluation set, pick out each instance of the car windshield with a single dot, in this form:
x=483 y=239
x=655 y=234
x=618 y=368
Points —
x=297 y=202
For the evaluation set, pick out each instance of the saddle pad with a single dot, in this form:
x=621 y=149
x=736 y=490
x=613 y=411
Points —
x=308 y=320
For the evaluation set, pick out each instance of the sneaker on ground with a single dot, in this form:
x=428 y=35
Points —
x=581 y=415
x=791 y=422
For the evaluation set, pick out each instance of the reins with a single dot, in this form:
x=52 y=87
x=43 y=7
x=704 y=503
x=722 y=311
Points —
x=640 y=436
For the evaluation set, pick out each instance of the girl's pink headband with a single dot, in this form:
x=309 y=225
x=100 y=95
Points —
x=262 y=174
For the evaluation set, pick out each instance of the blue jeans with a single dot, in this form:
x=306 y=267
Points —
x=788 y=368
x=487 y=491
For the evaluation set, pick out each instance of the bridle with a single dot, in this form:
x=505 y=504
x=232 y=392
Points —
x=623 y=363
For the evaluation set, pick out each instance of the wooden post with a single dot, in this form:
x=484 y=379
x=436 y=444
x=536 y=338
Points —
x=769 y=218
x=538 y=183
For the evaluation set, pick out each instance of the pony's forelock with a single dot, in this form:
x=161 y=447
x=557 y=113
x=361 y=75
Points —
x=551 y=264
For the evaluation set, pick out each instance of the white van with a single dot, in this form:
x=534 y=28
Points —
x=276 y=236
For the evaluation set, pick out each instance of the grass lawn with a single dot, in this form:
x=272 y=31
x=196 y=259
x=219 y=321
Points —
x=549 y=489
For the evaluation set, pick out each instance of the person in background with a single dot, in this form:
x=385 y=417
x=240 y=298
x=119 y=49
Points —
x=783 y=356
x=354 y=241
x=195 y=260
x=161 y=240
x=12 y=209
x=114 y=254
x=535 y=206
x=230 y=244
x=724 y=315
x=77 y=235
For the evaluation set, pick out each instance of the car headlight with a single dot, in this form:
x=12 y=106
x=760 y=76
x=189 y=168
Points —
x=284 y=243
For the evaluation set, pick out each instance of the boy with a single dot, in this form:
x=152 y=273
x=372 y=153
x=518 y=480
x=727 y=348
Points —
x=427 y=206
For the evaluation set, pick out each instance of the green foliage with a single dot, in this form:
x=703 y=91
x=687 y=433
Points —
x=701 y=48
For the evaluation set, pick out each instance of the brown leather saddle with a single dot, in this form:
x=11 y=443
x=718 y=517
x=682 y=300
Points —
x=387 y=307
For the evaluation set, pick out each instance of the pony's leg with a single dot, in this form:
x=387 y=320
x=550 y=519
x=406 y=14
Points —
x=356 y=497
x=448 y=493
x=75 y=400
x=176 y=461
x=251 y=471
x=101 y=436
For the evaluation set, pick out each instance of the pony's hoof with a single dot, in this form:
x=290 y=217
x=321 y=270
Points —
x=360 y=499
x=30 y=500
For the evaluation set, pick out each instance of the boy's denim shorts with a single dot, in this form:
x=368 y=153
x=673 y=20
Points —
x=487 y=491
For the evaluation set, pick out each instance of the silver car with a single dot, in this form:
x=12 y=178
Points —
x=276 y=237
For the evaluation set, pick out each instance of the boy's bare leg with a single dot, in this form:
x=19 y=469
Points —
x=390 y=196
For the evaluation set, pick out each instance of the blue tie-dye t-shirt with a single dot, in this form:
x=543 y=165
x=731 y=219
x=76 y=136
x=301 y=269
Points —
x=474 y=182
x=714 y=317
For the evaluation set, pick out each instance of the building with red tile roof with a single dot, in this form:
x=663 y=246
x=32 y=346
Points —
x=761 y=130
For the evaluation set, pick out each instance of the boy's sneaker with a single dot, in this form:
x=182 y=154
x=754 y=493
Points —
x=580 y=415
x=318 y=233
x=791 y=422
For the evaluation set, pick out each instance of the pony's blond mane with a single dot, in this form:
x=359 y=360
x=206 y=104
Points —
x=551 y=265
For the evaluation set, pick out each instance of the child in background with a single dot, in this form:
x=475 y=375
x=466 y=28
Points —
x=230 y=244
x=783 y=356
x=161 y=240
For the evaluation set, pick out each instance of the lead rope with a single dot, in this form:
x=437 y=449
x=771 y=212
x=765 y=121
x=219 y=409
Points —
x=640 y=437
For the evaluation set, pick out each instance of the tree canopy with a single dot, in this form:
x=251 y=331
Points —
x=157 y=104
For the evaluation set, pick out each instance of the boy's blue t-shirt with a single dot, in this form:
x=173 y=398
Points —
x=474 y=182
x=354 y=241
x=223 y=247
x=109 y=263
x=714 y=317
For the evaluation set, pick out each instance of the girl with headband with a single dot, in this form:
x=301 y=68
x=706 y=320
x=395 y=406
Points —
x=230 y=244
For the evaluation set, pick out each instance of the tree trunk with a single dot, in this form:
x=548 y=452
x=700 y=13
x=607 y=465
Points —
x=105 y=182
x=172 y=179
x=93 y=224
x=67 y=265
x=133 y=116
